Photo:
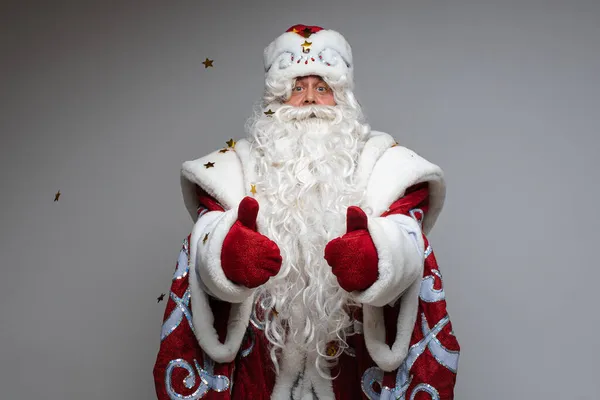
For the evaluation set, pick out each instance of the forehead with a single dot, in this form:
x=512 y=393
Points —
x=310 y=79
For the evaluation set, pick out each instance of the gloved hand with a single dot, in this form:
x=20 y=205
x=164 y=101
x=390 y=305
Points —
x=249 y=258
x=353 y=257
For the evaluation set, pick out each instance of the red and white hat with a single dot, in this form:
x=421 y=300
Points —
x=309 y=50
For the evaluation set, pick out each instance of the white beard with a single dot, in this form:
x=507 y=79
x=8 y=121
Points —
x=305 y=170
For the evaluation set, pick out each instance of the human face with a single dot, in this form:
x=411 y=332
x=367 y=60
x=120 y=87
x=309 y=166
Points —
x=311 y=90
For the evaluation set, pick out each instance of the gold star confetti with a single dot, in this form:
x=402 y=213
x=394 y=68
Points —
x=331 y=350
x=160 y=298
x=395 y=144
x=306 y=45
x=231 y=143
x=209 y=164
x=205 y=239
x=269 y=112
x=207 y=63
x=253 y=189
x=223 y=150
x=56 y=196
x=295 y=30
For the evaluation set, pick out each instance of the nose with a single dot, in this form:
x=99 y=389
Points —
x=310 y=97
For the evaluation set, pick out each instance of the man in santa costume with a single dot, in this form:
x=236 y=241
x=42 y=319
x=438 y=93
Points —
x=308 y=273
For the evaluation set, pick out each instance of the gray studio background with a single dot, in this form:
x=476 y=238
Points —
x=104 y=101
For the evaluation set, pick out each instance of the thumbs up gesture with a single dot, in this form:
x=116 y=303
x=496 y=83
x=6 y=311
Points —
x=353 y=257
x=249 y=258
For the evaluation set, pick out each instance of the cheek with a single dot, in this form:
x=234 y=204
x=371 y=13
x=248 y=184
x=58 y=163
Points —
x=328 y=100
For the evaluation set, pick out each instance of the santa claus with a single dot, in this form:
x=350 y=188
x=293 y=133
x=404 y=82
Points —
x=308 y=273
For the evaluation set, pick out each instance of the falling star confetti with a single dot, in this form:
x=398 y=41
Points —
x=56 y=196
x=269 y=112
x=253 y=189
x=231 y=143
x=205 y=239
x=208 y=63
x=160 y=298
x=209 y=164
x=223 y=150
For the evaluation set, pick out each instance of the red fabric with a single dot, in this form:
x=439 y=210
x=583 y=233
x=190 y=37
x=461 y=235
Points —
x=304 y=30
x=249 y=258
x=353 y=257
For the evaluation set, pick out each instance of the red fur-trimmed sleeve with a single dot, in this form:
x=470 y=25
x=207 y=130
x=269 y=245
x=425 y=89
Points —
x=182 y=368
x=436 y=363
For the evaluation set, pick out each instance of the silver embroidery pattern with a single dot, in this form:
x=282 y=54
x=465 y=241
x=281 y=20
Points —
x=182 y=262
x=428 y=294
x=424 y=387
x=208 y=381
x=181 y=309
x=252 y=338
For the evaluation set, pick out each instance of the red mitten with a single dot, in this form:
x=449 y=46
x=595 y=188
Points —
x=353 y=257
x=249 y=258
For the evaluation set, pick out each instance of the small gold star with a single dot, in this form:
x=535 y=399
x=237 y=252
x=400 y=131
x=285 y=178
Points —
x=207 y=63
x=231 y=143
x=331 y=350
x=160 y=298
x=295 y=30
x=223 y=150
x=56 y=196
x=209 y=164
x=306 y=45
x=205 y=239
x=269 y=112
x=253 y=189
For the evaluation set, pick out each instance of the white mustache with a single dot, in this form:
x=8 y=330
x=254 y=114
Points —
x=289 y=113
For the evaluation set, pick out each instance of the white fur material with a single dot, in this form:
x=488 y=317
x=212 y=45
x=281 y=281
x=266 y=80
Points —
x=326 y=46
x=400 y=248
x=224 y=181
x=398 y=169
x=203 y=320
x=389 y=358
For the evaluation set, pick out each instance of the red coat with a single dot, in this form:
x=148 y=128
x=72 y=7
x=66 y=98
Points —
x=183 y=371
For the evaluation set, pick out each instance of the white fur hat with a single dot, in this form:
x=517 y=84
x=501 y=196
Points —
x=309 y=50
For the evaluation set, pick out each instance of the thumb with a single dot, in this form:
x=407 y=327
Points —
x=247 y=212
x=356 y=219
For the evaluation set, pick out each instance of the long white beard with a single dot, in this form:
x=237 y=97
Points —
x=306 y=182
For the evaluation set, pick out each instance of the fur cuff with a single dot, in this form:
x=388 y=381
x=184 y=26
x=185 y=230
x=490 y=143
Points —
x=400 y=248
x=206 y=244
x=389 y=358
x=203 y=320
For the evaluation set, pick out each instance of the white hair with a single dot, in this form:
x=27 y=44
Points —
x=307 y=158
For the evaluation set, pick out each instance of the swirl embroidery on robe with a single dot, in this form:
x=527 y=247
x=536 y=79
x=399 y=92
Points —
x=181 y=309
x=208 y=381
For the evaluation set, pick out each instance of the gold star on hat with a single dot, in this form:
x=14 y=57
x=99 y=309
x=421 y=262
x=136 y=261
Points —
x=306 y=46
